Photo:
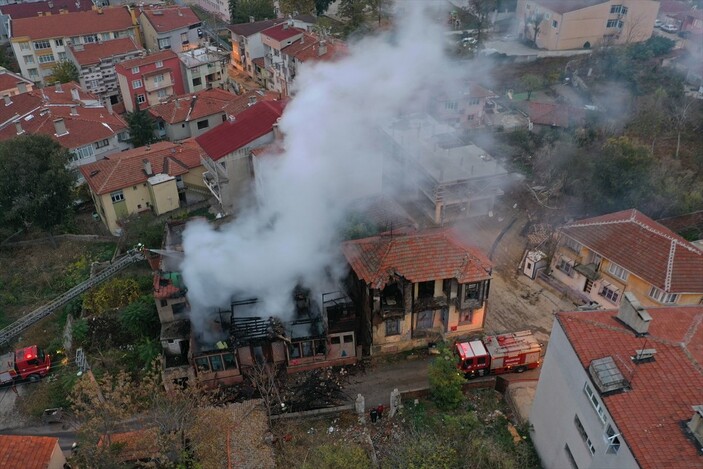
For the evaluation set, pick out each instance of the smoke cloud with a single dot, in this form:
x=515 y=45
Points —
x=331 y=157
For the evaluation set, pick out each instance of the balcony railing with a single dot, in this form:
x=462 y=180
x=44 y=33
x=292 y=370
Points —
x=212 y=185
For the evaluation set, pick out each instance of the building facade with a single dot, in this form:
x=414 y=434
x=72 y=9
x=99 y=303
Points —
x=247 y=45
x=174 y=28
x=584 y=24
x=149 y=80
x=599 y=259
x=204 y=68
x=40 y=42
x=12 y=84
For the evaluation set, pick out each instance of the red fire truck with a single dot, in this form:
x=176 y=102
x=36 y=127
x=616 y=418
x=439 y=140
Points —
x=26 y=363
x=515 y=351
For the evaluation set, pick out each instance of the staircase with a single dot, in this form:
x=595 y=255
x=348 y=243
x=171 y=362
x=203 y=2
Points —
x=43 y=311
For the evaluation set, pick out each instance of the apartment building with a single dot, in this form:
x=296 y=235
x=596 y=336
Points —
x=149 y=80
x=173 y=28
x=39 y=42
x=621 y=389
x=274 y=40
x=247 y=45
x=204 y=68
x=600 y=259
x=308 y=49
x=467 y=108
x=15 y=11
x=96 y=65
x=583 y=24
x=219 y=8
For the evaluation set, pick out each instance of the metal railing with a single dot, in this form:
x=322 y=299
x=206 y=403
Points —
x=20 y=325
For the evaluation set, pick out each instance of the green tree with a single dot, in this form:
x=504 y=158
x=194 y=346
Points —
x=141 y=127
x=63 y=71
x=140 y=319
x=321 y=6
x=8 y=61
x=35 y=185
x=531 y=82
x=115 y=293
x=297 y=7
x=445 y=380
x=481 y=11
x=241 y=10
x=354 y=14
x=337 y=457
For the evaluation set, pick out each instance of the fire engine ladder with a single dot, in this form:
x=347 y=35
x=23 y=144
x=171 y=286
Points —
x=18 y=326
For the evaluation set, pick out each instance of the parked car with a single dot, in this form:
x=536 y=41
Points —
x=658 y=23
x=670 y=28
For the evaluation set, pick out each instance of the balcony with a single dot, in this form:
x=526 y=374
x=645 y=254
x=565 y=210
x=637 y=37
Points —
x=151 y=85
x=212 y=185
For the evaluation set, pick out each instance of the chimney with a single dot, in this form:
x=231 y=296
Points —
x=18 y=127
x=108 y=104
x=177 y=103
x=22 y=87
x=74 y=110
x=60 y=127
x=252 y=100
x=696 y=423
x=147 y=165
x=251 y=19
x=75 y=95
x=59 y=89
x=285 y=25
x=7 y=99
x=277 y=136
x=100 y=10
x=633 y=314
x=322 y=48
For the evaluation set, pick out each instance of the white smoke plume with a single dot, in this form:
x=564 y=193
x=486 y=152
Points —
x=331 y=156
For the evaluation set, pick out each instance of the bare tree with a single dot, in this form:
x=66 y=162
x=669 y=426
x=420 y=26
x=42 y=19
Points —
x=534 y=22
x=481 y=10
x=635 y=28
x=263 y=377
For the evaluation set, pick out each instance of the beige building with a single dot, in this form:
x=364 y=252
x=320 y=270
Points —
x=583 y=24
x=157 y=178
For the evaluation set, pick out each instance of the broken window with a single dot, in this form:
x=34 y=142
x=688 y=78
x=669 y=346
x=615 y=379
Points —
x=392 y=327
x=216 y=363
x=466 y=316
x=392 y=296
x=307 y=348
x=425 y=289
x=613 y=441
x=202 y=364
x=230 y=361
x=472 y=291
x=425 y=319
x=294 y=351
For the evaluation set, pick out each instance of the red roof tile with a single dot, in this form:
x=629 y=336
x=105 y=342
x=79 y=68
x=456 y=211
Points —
x=417 y=256
x=559 y=115
x=650 y=414
x=147 y=59
x=28 y=10
x=251 y=124
x=247 y=29
x=26 y=452
x=643 y=247
x=93 y=53
x=205 y=103
x=135 y=445
x=333 y=51
x=281 y=32
x=165 y=19
x=9 y=80
x=125 y=169
x=73 y=24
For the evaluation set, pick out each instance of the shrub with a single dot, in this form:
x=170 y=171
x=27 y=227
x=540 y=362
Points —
x=445 y=380
x=337 y=457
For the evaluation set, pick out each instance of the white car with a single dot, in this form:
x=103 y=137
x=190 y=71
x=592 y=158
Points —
x=658 y=23
x=670 y=28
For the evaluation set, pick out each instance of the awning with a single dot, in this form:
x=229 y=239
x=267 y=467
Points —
x=588 y=270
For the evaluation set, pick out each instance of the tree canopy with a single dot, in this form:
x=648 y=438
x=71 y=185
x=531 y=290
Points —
x=35 y=184
x=241 y=10
x=141 y=127
x=63 y=72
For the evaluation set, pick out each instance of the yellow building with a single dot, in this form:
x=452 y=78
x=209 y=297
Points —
x=601 y=258
x=583 y=24
x=414 y=288
x=158 y=178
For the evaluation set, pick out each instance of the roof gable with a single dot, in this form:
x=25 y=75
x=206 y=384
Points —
x=27 y=452
x=79 y=23
x=247 y=29
x=147 y=60
x=282 y=31
x=89 y=54
x=644 y=247
x=164 y=19
x=417 y=256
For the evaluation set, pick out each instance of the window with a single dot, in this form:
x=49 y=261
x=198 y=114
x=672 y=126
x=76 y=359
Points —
x=614 y=24
x=595 y=259
x=45 y=59
x=197 y=81
x=184 y=38
x=555 y=24
x=307 y=348
x=230 y=361
x=474 y=101
x=28 y=59
x=573 y=245
x=584 y=435
x=141 y=99
x=617 y=271
x=203 y=124
x=597 y=406
x=162 y=93
x=613 y=441
x=25 y=46
x=102 y=143
x=33 y=73
x=425 y=289
x=663 y=297
x=202 y=364
x=610 y=293
x=618 y=10
x=158 y=64
x=90 y=39
x=451 y=105
x=164 y=43
x=348 y=339
x=39 y=45
x=135 y=69
x=566 y=266
x=164 y=303
x=294 y=351
x=136 y=84
x=105 y=36
x=425 y=319
x=82 y=153
x=117 y=197
x=392 y=327
x=62 y=56
x=472 y=291
x=58 y=42
x=158 y=79
x=465 y=316
x=216 y=363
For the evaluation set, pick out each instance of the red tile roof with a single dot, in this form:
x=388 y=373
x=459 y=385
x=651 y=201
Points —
x=165 y=19
x=9 y=80
x=73 y=24
x=311 y=52
x=251 y=124
x=125 y=169
x=247 y=29
x=135 y=445
x=560 y=6
x=281 y=32
x=205 y=103
x=643 y=247
x=417 y=256
x=559 y=115
x=650 y=414
x=26 y=452
x=93 y=53
x=147 y=59
x=61 y=94
x=28 y=10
